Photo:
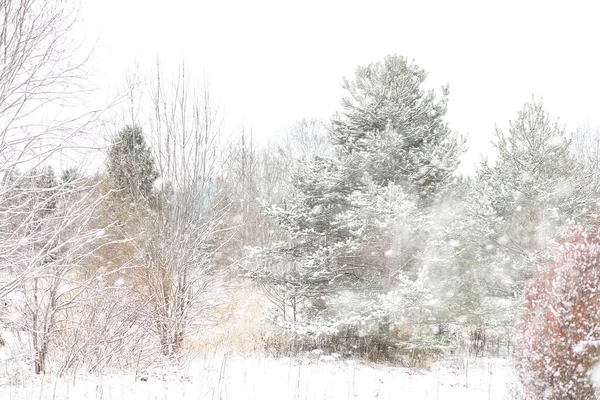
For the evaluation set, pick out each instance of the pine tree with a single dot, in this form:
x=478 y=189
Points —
x=397 y=128
x=456 y=238
x=357 y=220
x=534 y=190
x=538 y=187
x=345 y=251
x=308 y=269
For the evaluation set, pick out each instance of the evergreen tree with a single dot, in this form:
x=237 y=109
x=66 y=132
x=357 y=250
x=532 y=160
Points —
x=347 y=237
x=69 y=175
x=131 y=165
x=397 y=127
x=357 y=221
x=535 y=189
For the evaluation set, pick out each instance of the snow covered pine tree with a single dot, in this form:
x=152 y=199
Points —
x=354 y=219
x=533 y=191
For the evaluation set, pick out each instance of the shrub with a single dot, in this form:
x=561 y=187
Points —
x=558 y=339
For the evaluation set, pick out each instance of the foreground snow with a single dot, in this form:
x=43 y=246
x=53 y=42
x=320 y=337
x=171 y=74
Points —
x=267 y=378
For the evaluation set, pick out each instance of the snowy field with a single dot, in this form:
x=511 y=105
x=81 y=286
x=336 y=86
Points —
x=222 y=377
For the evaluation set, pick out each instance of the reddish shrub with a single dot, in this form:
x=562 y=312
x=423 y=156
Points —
x=559 y=337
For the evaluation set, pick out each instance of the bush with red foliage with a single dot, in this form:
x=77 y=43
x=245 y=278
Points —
x=559 y=338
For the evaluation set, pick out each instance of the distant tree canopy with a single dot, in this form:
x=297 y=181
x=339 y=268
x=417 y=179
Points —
x=131 y=166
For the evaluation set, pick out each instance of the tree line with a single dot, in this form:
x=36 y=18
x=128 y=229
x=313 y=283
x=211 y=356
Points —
x=358 y=230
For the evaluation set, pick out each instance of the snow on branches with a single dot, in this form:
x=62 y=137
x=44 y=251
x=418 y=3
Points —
x=558 y=337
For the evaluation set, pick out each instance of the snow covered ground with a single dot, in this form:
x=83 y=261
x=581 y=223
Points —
x=222 y=377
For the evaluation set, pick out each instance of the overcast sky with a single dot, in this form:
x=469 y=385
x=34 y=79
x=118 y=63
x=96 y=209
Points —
x=273 y=62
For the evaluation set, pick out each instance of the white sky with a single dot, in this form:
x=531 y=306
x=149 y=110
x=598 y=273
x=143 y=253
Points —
x=273 y=62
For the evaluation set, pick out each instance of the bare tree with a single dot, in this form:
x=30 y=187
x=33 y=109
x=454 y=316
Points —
x=185 y=223
x=251 y=176
x=302 y=141
x=45 y=231
x=586 y=146
x=40 y=83
x=307 y=137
